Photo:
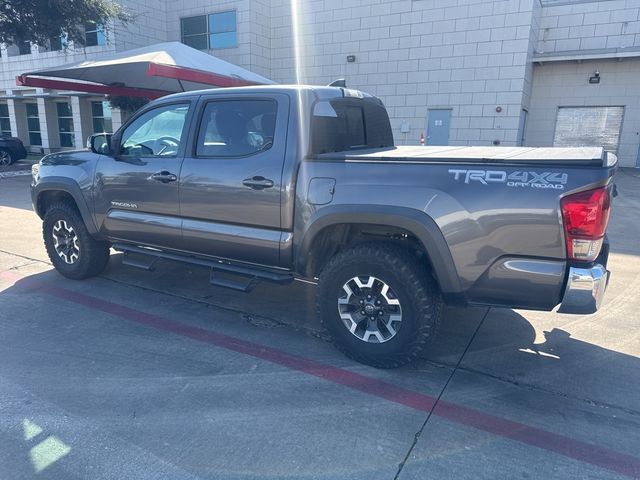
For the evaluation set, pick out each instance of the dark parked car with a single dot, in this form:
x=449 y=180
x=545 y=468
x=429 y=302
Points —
x=11 y=150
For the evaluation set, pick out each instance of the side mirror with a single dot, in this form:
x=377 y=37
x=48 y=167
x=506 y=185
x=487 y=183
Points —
x=100 y=143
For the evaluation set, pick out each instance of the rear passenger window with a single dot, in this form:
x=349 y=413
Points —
x=236 y=128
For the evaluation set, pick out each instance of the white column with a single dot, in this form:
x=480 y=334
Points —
x=48 y=125
x=79 y=132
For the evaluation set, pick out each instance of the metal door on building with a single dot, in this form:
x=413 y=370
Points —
x=438 y=123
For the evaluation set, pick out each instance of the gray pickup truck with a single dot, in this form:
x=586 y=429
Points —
x=282 y=182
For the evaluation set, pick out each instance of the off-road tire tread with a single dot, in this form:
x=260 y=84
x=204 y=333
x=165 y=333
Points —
x=94 y=254
x=425 y=293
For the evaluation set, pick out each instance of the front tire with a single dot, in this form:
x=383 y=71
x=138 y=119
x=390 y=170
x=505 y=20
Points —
x=71 y=249
x=380 y=306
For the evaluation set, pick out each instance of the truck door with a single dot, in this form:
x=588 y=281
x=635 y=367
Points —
x=231 y=180
x=136 y=198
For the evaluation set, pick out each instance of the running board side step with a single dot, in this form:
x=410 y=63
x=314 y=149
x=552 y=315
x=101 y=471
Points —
x=145 y=262
x=223 y=281
x=250 y=276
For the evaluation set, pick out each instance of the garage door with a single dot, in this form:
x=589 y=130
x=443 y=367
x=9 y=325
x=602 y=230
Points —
x=589 y=127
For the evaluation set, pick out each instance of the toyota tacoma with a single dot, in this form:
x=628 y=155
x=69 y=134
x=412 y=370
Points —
x=274 y=183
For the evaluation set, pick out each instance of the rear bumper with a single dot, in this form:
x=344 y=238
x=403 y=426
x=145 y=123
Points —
x=585 y=289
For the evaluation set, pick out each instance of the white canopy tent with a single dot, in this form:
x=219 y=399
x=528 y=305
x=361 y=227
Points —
x=149 y=72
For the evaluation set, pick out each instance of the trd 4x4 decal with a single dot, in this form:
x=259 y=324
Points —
x=553 y=180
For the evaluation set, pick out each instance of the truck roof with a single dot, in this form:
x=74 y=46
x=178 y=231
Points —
x=321 y=91
x=583 y=156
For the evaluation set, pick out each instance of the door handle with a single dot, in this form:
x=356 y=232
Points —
x=258 y=183
x=164 y=177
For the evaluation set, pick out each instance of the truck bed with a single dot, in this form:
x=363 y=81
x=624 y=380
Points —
x=573 y=156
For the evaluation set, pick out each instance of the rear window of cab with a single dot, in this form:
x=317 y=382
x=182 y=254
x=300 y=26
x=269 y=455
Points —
x=349 y=124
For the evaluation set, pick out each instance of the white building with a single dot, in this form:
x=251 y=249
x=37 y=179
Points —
x=461 y=72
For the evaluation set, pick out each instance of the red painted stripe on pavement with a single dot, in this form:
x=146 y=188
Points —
x=585 y=452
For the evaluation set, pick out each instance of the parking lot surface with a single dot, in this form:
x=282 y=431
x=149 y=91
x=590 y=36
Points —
x=157 y=375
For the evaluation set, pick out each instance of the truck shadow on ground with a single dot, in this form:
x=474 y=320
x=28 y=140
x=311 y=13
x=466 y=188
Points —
x=505 y=348
x=506 y=345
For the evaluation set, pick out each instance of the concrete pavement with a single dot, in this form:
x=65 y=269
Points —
x=159 y=375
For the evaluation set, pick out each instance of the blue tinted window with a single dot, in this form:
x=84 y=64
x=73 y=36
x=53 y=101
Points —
x=222 y=22
x=64 y=109
x=94 y=34
x=223 y=40
x=101 y=117
x=65 y=124
x=56 y=43
x=194 y=25
x=32 y=110
x=199 y=42
x=101 y=37
x=33 y=124
x=5 y=122
x=216 y=30
x=35 y=138
x=24 y=48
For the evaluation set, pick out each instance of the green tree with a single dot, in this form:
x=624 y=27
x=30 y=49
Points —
x=40 y=20
x=128 y=105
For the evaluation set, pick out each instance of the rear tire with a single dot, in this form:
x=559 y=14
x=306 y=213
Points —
x=380 y=306
x=71 y=249
x=6 y=157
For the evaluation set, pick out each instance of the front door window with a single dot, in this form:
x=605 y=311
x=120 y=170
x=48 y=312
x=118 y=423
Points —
x=155 y=133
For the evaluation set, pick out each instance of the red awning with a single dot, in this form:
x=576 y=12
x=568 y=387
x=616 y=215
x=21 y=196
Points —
x=149 y=72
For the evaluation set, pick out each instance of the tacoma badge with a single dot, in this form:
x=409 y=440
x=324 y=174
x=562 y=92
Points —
x=123 y=204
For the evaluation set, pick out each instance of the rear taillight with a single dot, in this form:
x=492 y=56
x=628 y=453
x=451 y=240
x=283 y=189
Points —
x=585 y=216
